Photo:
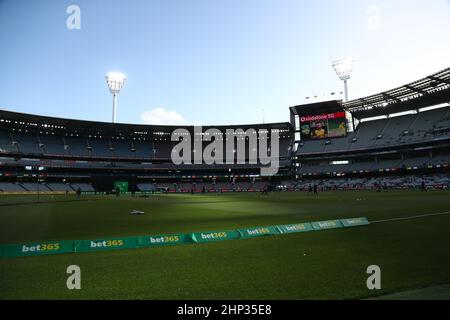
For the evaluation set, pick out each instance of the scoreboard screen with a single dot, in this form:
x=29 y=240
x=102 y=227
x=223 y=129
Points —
x=322 y=126
x=122 y=186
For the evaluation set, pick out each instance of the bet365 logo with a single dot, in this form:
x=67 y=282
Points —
x=41 y=247
x=106 y=243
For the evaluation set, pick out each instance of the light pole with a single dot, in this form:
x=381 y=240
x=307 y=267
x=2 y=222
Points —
x=115 y=81
x=344 y=69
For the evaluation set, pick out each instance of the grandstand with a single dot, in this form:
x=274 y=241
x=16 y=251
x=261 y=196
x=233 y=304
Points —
x=394 y=131
x=404 y=131
x=83 y=153
x=399 y=134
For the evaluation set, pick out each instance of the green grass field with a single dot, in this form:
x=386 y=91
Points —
x=332 y=264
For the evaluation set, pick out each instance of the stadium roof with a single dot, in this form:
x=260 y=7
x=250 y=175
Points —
x=35 y=123
x=317 y=108
x=429 y=91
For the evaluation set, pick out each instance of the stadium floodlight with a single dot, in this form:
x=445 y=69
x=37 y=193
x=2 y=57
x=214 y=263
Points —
x=344 y=68
x=115 y=81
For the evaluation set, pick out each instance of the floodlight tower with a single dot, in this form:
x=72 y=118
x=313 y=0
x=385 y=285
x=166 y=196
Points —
x=115 y=81
x=344 y=68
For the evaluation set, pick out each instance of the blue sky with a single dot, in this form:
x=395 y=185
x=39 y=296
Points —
x=210 y=62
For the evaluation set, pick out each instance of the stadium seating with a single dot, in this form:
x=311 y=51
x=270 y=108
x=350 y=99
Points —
x=419 y=162
x=39 y=144
x=85 y=187
x=44 y=187
x=408 y=144
x=59 y=187
x=11 y=187
x=7 y=143
x=146 y=186
x=437 y=181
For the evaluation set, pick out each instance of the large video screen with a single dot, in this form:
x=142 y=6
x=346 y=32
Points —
x=329 y=125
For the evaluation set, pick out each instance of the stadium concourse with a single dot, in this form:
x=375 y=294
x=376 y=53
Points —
x=396 y=139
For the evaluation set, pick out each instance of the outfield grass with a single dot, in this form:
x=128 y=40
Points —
x=319 y=265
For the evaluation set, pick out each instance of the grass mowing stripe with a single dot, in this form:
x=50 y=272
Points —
x=13 y=204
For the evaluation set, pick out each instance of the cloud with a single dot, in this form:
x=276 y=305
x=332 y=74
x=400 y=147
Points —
x=160 y=116
x=373 y=17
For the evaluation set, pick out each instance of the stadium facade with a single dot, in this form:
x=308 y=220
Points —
x=398 y=138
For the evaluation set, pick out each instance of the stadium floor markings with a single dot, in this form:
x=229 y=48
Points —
x=438 y=292
x=412 y=217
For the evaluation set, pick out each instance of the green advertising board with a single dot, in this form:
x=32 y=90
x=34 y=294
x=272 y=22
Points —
x=259 y=232
x=37 y=248
x=296 y=228
x=215 y=236
x=163 y=240
x=355 y=222
x=324 y=225
x=105 y=244
x=56 y=247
